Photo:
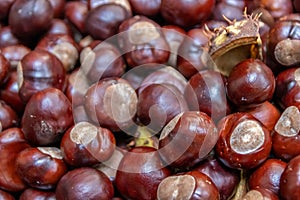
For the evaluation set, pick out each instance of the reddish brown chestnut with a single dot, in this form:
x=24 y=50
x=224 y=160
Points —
x=12 y=135
x=36 y=194
x=59 y=26
x=7 y=38
x=145 y=7
x=244 y=143
x=286 y=135
x=142 y=41
x=84 y=183
x=190 y=185
x=85 y=144
x=260 y=194
x=267 y=175
x=39 y=70
x=290 y=180
x=4 y=69
x=187 y=139
x=250 y=82
x=58 y=8
x=5 y=6
x=112 y=103
x=47 y=115
x=139 y=173
x=6 y=196
x=41 y=167
x=8 y=117
x=14 y=54
x=75 y=13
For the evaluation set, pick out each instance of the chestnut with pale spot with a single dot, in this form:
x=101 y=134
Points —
x=244 y=143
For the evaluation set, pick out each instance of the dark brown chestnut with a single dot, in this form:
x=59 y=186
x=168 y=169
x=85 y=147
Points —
x=8 y=117
x=85 y=144
x=250 y=82
x=277 y=8
x=5 y=6
x=58 y=8
x=75 y=13
x=84 y=183
x=186 y=14
x=244 y=143
x=288 y=88
x=111 y=103
x=141 y=40
x=102 y=61
x=4 y=69
x=7 y=38
x=12 y=135
x=206 y=92
x=14 y=54
x=6 y=196
x=267 y=175
x=187 y=139
x=286 y=134
x=63 y=46
x=224 y=10
x=158 y=104
x=290 y=180
x=39 y=70
x=36 y=194
x=139 y=173
x=144 y=7
x=47 y=115
x=29 y=19
x=189 y=185
x=41 y=167
x=226 y=179
x=59 y=26
x=103 y=21
x=95 y=3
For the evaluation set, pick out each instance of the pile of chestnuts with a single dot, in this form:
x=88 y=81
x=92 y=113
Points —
x=150 y=99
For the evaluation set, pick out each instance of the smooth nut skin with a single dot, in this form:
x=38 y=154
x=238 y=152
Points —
x=75 y=13
x=111 y=102
x=39 y=70
x=58 y=8
x=7 y=38
x=142 y=41
x=4 y=69
x=35 y=194
x=186 y=14
x=15 y=53
x=290 y=180
x=103 y=21
x=288 y=88
x=206 y=92
x=277 y=8
x=40 y=169
x=63 y=46
x=225 y=179
x=84 y=183
x=139 y=173
x=244 y=143
x=250 y=82
x=99 y=146
x=144 y=7
x=12 y=135
x=5 y=195
x=199 y=186
x=231 y=12
x=29 y=19
x=101 y=61
x=8 y=117
x=187 y=139
x=59 y=26
x=47 y=115
x=5 y=6
x=158 y=104
x=267 y=175
x=192 y=53
x=260 y=194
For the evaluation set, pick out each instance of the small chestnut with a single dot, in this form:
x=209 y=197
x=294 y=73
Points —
x=36 y=194
x=244 y=143
x=8 y=117
x=84 y=183
x=14 y=54
x=41 y=167
x=47 y=115
x=187 y=139
x=85 y=144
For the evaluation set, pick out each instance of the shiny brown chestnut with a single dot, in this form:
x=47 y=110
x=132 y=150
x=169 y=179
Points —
x=29 y=19
x=5 y=6
x=6 y=196
x=12 y=135
x=146 y=8
x=63 y=47
x=187 y=139
x=139 y=173
x=206 y=92
x=14 y=54
x=286 y=133
x=101 y=61
x=267 y=175
x=111 y=102
x=59 y=26
x=58 y=8
x=4 y=69
x=103 y=21
x=36 y=194
x=260 y=194
x=244 y=143
x=277 y=8
x=39 y=70
x=225 y=179
x=85 y=144
x=95 y=3
x=158 y=104
x=224 y=9
x=7 y=38
x=288 y=88
x=141 y=40
x=41 y=167
x=186 y=14
x=84 y=183
x=47 y=115
x=8 y=117
x=192 y=53
x=290 y=180
x=75 y=13
x=189 y=185
x=250 y=82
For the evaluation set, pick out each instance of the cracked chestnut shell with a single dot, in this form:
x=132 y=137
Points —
x=244 y=143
